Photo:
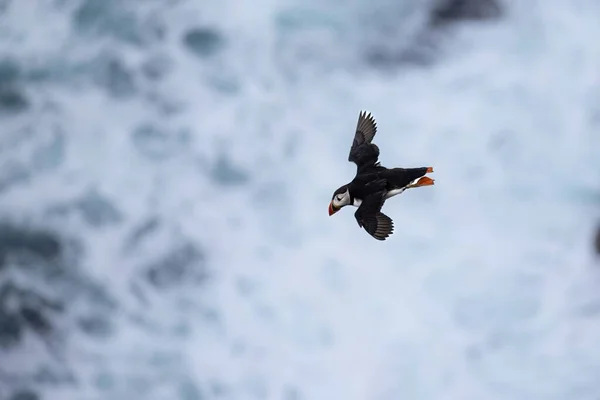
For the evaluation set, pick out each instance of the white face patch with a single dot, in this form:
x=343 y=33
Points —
x=341 y=199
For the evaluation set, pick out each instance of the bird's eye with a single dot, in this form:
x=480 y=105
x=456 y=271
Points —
x=339 y=197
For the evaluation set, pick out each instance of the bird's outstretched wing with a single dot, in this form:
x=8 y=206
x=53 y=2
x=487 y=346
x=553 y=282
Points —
x=362 y=152
x=371 y=219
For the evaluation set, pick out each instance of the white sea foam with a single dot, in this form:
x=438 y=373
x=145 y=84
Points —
x=486 y=290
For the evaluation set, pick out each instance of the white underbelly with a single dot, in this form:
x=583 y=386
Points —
x=394 y=192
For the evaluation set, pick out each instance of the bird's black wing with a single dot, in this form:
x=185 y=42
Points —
x=371 y=219
x=364 y=153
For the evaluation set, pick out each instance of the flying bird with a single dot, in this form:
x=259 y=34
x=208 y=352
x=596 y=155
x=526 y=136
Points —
x=373 y=183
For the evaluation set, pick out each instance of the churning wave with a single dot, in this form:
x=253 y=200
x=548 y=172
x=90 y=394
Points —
x=166 y=166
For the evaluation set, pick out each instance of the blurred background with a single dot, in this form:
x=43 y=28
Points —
x=166 y=165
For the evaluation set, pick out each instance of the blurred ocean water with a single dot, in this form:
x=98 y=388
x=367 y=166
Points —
x=165 y=167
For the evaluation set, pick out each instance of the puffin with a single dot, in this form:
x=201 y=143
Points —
x=374 y=183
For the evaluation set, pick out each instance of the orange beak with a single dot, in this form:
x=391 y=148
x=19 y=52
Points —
x=332 y=209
